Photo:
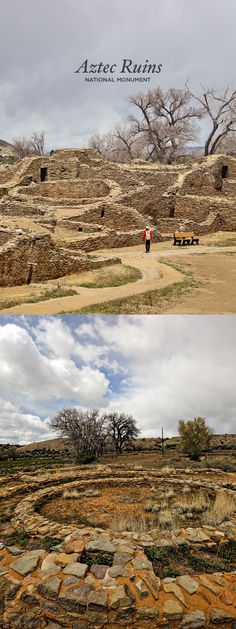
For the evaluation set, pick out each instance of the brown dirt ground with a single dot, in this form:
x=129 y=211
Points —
x=126 y=510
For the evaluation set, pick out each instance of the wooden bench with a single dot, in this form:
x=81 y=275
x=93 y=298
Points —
x=185 y=238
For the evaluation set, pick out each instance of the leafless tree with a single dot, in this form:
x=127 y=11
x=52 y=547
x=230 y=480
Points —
x=122 y=429
x=227 y=146
x=158 y=128
x=37 y=141
x=22 y=146
x=167 y=121
x=103 y=144
x=221 y=110
x=86 y=431
x=35 y=145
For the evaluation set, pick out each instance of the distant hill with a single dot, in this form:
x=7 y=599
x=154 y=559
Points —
x=7 y=149
x=224 y=442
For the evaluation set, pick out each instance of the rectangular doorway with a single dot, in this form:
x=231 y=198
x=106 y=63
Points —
x=43 y=173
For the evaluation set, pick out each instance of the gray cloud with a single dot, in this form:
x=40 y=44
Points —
x=42 y=44
x=159 y=369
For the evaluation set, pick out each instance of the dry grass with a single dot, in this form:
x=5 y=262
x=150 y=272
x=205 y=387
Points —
x=129 y=522
x=166 y=519
x=223 y=508
x=115 y=275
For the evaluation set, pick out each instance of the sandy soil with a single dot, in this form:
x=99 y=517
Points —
x=215 y=270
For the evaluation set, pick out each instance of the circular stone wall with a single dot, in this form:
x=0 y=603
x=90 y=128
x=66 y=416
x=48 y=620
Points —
x=111 y=578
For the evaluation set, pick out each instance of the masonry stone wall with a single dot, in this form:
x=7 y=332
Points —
x=67 y=189
x=48 y=261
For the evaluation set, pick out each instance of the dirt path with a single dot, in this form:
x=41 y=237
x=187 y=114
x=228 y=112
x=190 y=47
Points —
x=216 y=272
x=154 y=276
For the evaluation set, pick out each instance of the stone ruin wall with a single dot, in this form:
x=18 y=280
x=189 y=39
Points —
x=60 y=588
x=67 y=189
x=49 y=261
x=195 y=198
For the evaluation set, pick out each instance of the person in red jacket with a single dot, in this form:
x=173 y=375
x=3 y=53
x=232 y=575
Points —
x=147 y=237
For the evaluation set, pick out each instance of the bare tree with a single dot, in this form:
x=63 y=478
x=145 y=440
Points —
x=166 y=121
x=122 y=429
x=86 y=431
x=35 y=145
x=227 y=145
x=22 y=146
x=103 y=144
x=158 y=128
x=37 y=141
x=221 y=110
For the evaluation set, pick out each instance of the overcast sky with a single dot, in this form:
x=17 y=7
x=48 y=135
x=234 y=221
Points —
x=43 y=43
x=160 y=369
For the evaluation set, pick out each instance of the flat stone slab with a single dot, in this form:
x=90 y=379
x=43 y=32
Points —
x=176 y=590
x=188 y=584
x=27 y=563
x=141 y=564
x=97 y=600
x=172 y=610
x=119 y=598
x=76 y=569
x=50 y=588
x=100 y=545
x=99 y=571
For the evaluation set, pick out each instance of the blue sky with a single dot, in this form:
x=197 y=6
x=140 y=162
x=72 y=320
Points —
x=159 y=369
x=42 y=45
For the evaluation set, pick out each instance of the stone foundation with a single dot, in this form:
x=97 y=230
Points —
x=67 y=587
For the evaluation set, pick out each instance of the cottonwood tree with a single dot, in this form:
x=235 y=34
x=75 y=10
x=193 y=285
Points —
x=195 y=436
x=158 y=128
x=86 y=431
x=122 y=429
x=220 y=109
x=166 y=121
